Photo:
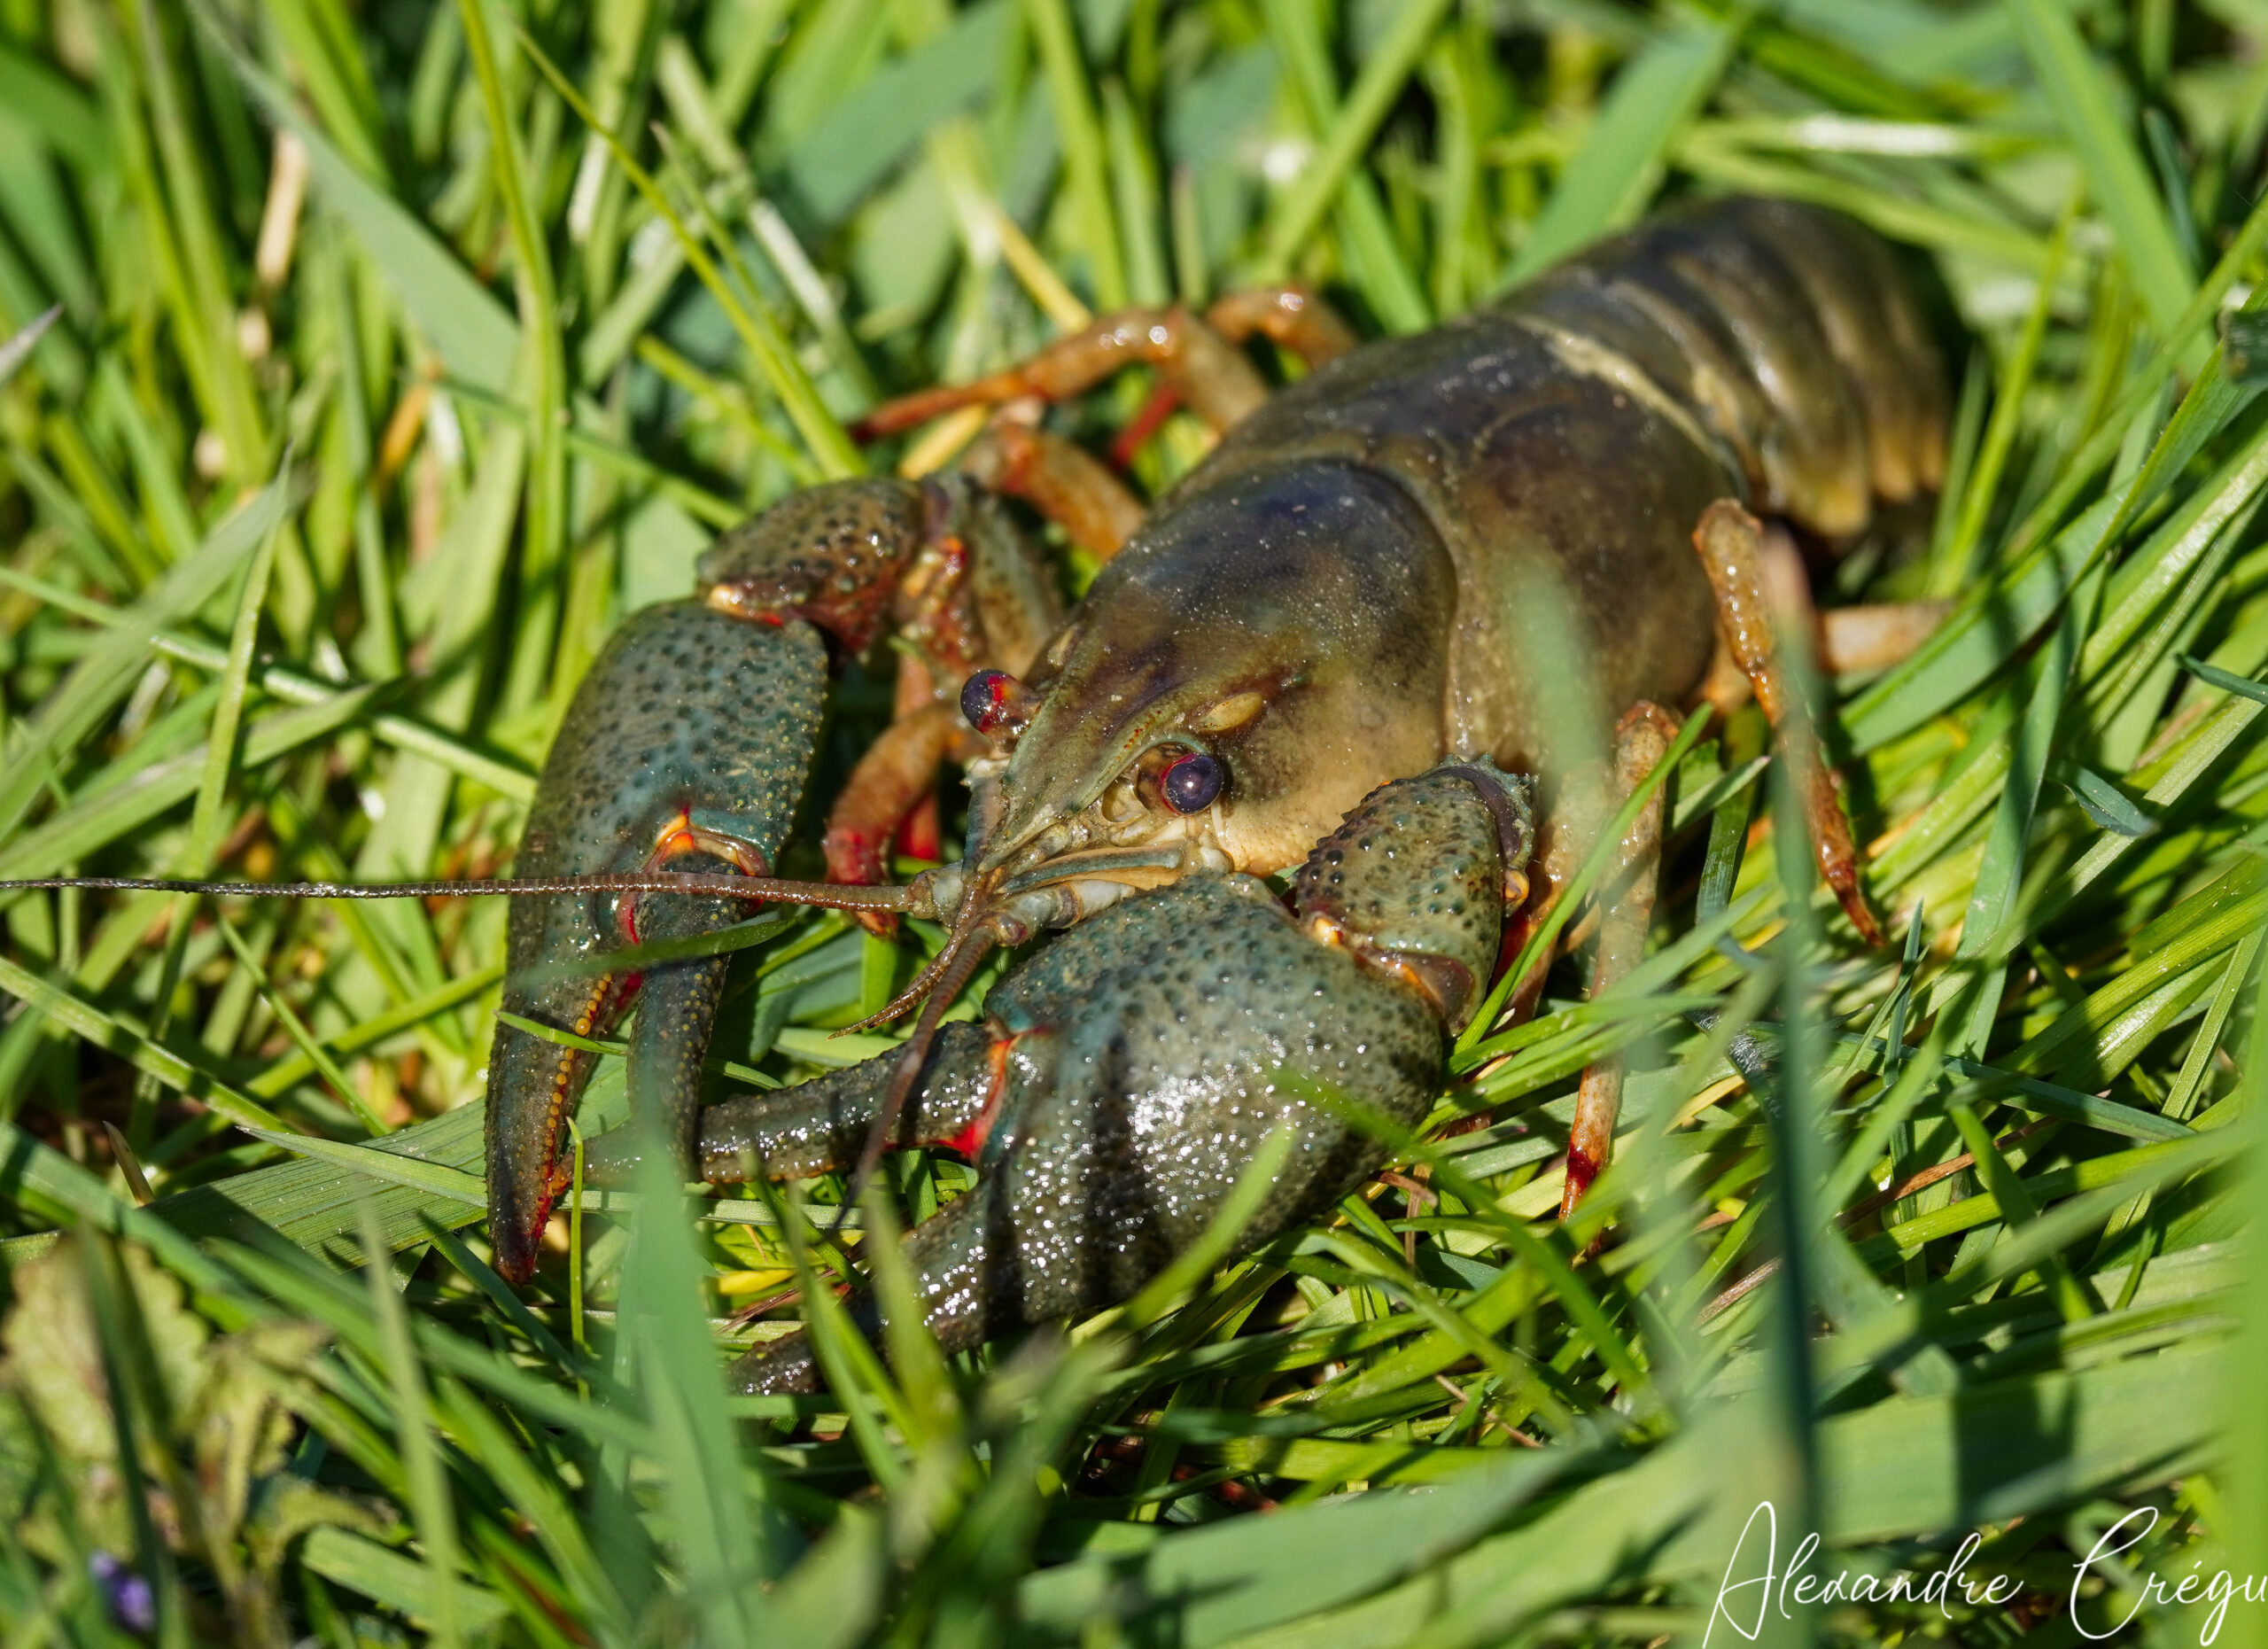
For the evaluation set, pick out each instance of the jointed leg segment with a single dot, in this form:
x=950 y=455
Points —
x=1207 y=372
x=1872 y=636
x=1290 y=317
x=1059 y=479
x=1640 y=742
x=1733 y=550
x=898 y=770
x=1875 y=636
x=1730 y=544
x=1199 y=365
x=1198 y=362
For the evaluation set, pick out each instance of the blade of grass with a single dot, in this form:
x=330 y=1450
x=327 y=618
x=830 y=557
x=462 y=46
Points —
x=543 y=371
x=450 y=1184
x=1610 y=179
x=1981 y=485
x=698 y=500
x=301 y=1037
x=1373 y=258
x=175 y=1070
x=1084 y=161
x=830 y=447
x=235 y=408
x=297 y=1067
x=1384 y=72
x=473 y=334
x=1134 y=191
x=130 y=1424
x=1988 y=927
x=2189 y=1086
x=403 y=732
x=726 y=1545
x=205 y=821
x=2073 y=79
x=106 y=673
x=18 y=348
x=431 y=1507
x=119 y=805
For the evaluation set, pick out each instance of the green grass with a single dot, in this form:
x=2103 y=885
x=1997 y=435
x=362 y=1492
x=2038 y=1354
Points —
x=403 y=348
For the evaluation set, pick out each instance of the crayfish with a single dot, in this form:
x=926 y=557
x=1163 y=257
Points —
x=1430 y=564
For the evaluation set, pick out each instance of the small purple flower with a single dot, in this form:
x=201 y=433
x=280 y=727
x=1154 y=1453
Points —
x=132 y=1604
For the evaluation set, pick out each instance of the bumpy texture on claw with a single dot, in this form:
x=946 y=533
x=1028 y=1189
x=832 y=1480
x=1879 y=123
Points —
x=1127 y=1073
x=1141 y=1074
x=692 y=724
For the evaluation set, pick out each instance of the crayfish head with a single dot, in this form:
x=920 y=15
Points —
x=1418 y=878
x=1240 y=675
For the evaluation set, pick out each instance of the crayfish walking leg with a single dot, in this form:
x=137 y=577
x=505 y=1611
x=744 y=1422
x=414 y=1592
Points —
x=1730 y=544
x=1640 y=744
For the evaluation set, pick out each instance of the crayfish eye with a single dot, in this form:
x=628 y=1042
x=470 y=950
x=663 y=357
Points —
x=1190 y=783
x=980 y=697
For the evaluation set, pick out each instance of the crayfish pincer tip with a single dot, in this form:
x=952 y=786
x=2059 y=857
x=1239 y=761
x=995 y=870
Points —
x=513 y=1249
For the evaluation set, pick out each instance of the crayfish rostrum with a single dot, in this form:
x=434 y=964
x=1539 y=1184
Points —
x=1507 y=546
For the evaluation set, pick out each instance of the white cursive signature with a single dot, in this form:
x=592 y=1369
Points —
x=2219 y=1590
x=1810 y=1589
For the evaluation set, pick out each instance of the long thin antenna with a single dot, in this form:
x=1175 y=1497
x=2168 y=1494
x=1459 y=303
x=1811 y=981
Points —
x=764 y=888
x=960 y=960
x=916 y=989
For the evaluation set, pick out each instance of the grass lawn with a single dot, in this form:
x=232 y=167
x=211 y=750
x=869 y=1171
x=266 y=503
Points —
x=400 y=348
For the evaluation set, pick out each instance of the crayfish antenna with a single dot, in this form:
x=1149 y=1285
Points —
x=955 y=966
x=756 y=889
x=916 y=989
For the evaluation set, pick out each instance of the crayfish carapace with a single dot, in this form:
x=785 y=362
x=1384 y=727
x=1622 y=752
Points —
x=1433 y=562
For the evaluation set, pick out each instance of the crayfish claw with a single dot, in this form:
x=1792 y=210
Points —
x=677 y=1010
x=688 y=742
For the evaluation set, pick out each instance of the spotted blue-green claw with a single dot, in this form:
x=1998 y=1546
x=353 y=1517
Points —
x=1127 y=1075
x=687 y=746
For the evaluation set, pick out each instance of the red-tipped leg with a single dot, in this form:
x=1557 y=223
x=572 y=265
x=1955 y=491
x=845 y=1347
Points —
x=899 y=771
x=1640 y=741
